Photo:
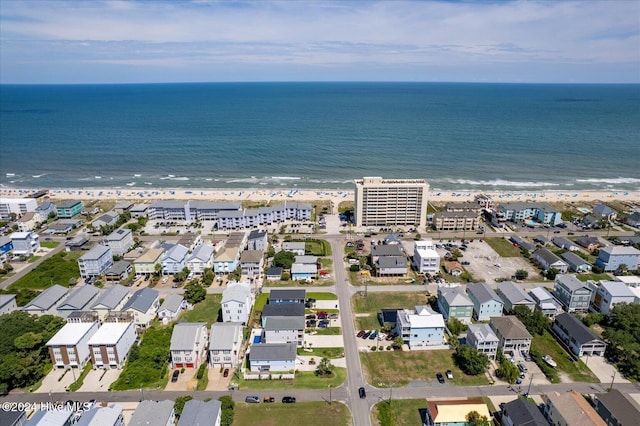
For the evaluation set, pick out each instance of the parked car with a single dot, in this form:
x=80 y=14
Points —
x=362 y=393
x=268 y=399
x=225 y=373
x=522 y=367
x=252 y=399
x=449 y=374
x=323 y=324
x=288 y=400
x=310 y=316
x=174 y=376
x=373 y=335
x=440 y=377
x=360 y=333
x=366 y=335
x=311 y=323
x=333 y=316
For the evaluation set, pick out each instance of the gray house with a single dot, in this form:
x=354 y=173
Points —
x=196 y=413
x=548 y=260
x=617 y=408
x=277 y=357
x=513 y=335
x=482 y=338
x=522 y=412
x=391 y=266
x=158 y=413
x=46 y=302
x=513 y=295
x=284 y=296
x=574 y=295
x=565 y=243
x=575 y=262
x=545 y=302
x=522 y=243
x=257 y=240
x=80 y=299
x=454 y=303
x=577 y=336
x=112 y=299
x=486 y=303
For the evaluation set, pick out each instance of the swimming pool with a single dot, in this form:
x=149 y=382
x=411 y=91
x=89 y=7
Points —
x=583 y=210
x=531 y=223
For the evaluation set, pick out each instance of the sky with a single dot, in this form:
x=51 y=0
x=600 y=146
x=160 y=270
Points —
x=113 y=41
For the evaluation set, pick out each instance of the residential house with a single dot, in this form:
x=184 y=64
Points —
x=201 y=259
x=387 y=266
x=283 y=310
x=454 y=303
x=112 y=299
x=44 y=210
x=47 y=301
x=95 y=262
x=577 y=336
x=611 y=293
x=174 y=259
x=146 y=264
x=77 y=243
x=61 y=417
x=453 y=267
x=484 y=201
x=613 y=257
x=258 y=240
x=103 y=416
x=123 y=206
x=82 y=316
x=565 y=243
x=588 y=243
x=453 y=412
x=522 y=412
x=541 y=239
x=111 y=344
x=107 y=219
x=157 y=413
x=197 y=413
x=380 y=250
x=456 y=220
x=7 y=303
x=482 y=338
x=25 y=243
x=304 y=271
x=138 y=210
x=570 y=408
x=237 y=301
x=421 y=328
x=13 y=418
x=28 y=222
x=548 y=260
x=6 y=245
x=513 y=335
x=284 y=330
x=274 y=273
x=297 y=248
x=392 y=239
x=79 y=299
x=574 y=295
x=617 y=408
x=69 y=209
x=522 y=243
x=225 y=342
x=251 y=262
x=119 y=271
x=120 y=241
x=69 y=347
x=143 y=304
x=172 y=306
x=426 y=259
x=190 y=240
x=280 y=296
x=486 y=303
x=226 y=260
x=545 y=302
x=633 y=220
x=605 y=211
x=59 y=227
x=189 y=343
x=513 y=295
x=272 y=358
x=575 y=262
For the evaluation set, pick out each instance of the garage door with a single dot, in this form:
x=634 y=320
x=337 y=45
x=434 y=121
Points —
x=189 y=365
x=179 y=365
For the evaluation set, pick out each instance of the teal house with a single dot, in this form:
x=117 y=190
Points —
x=453 y=302
x=69 y=209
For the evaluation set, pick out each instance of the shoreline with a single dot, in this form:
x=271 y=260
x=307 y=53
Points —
x=299 y=195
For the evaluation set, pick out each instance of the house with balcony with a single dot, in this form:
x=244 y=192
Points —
x=143 y=304
x=44 y=210
x=95 y=262
x=456 y=220
x=284 y=330
x=272 y=358
x=613 y=257
x=486 y=303
x=283 y=310
x=28 y=222
x=611 y=293
x=570 y=408
x=617 y=408
x=119 y=271
x=111 y=344
x=146 y=264
x=200 y=259
x=225 y=342
x=258 y=240
x=575 y=262
x=482 y=338
x=7 y=304
x=391 y=266
x=189 y=344
x=237 y=301
x=107 y=219
x=25 y=243
x=545 y=302
x=149 y=412
x=69 y=347
x=512 y=334
x=453 y=412
x=548 y=260
x=80 y=299
x=426 y=259
x=69 y=209
x=174 y=259
x=112 y=299
x=283 y=296
x=298 y=248
x=574 y=295
x=421 y=328
x=226 y=260
x=251 y=262
x=454 y=303
x=304 y=271
x=46 y=302
x=513 y=295
x=173 y=306
x=577 y=336
x=119 y=241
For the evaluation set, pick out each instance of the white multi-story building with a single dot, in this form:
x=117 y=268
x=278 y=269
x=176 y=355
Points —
x=383 y=202
x=25 y=243
x=237 y=301
x=224 y=344
x=189 y=343
x=69 y=347
x=110 y=345
x=17 y=206
x=425 y=257
x=119 y=241
x=201 y=259
x=95 y=262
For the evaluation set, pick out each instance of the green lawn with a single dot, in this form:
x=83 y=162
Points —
x=400 y=412
x=314 y=283
x=547 y=345
x=316 y=413
x=329 y=331
x=322 y=295
x=49 y=244
x=369 y=322
x=323 y=352
x=374 y=302
x=206 y=311
x=58 y=269
x=33 y=259
x=384 y=368
x=503 y=247
x=593 y=277
x=261 y=300
x=303 y=380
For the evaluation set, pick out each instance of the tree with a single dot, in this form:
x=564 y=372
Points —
x=470 y=360
x=507 y=370
x=227 y=406
x=551 y=273
x=623 y=339
x=178 y=406
x=194 y=293
x=324 y=368
x=534 y=321
x=475 y=419
x=455 y=326
x=284 y=259
x=208 y=276
x=398 y=341
x=521 y=274
x=158 y=269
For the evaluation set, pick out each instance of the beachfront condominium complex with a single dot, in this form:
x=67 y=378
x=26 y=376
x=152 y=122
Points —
x=383 y=202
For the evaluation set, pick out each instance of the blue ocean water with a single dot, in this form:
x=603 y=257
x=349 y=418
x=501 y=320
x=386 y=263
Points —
x=321 y=135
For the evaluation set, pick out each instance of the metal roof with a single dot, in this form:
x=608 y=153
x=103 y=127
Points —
x=224 y=335
x=79 y=298
x=284 y=323
x=141 y=300
x=199 y=413
x=514 y=293
x=273 y=352
x=109 y=333
x=72 y=333
x=95 y=253
x=286 y=294
x=152 y=413
x=111 y=297
x=237 y=292
x=186 y=334
x=283 y=310
x=172 y=303
x=483 y=293
x=47 y=298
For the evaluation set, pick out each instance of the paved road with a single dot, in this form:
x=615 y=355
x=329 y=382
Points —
x=6 y=283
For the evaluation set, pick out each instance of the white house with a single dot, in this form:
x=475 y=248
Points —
x=284 y=330
x=426 y=259
x=251 y=262
x=174 y=259
x=28 y=221
x=611 y=293
x=237 y=301
x=69 y=347
x=189 y=343
x=95 y=262
x=107 y=219
x=224 y=344
x=257 y=240
x=110 y=345
x=269 y=358
x=160 y=413
x=483 y=339
x=200 y=259
x=172 y=306
x=7 y=303
x=143 y=304
x=119 y=241
x=421 y=328
x=25 y=243
x=295 y=247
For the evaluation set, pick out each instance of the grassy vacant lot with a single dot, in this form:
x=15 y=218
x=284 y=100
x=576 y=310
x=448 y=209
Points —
x=58 y=269
x=329 y=331
x=317 y=247
x=322 y=295
x=290 y=283
x=303 y=380
x=593 y=277
x=384 y=368
x=503 y=247
x=206 y=311
x=261 y=300
x=547 y=345
x=398 y=412
x=323 y=352
x=316 y=413
x=49 y=244
x=370 y=322
x=374 y=302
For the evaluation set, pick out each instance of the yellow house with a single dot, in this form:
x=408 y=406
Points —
x=146 y=264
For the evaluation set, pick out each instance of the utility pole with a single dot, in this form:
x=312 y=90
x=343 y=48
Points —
x=612 y=380
x=530 y=381
x=329 y=394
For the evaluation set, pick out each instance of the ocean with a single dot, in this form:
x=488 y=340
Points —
x=457 y=136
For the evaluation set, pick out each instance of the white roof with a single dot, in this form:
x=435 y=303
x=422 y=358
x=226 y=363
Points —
x=630 y=280
x=239 y=292
x=20 y=235
x=616 y=289
x=71 y=333
x=423 y=319
x=109 y=334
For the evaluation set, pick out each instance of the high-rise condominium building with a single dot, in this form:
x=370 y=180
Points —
x=383 y=202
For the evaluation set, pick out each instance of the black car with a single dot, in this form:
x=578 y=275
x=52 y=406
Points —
x=174 y=376
x=362 y=393
x=288 y=400
x=440 y=377
x=225 y=373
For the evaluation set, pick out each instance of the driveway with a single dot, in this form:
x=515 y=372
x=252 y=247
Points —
x=53 y=383
x=186 y=380
x=99 y=380
x=302 y=363
x=216 y=381
x=324 y=341
x=603 y=370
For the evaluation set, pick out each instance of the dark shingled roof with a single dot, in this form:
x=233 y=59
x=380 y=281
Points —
x=524 y=413
x=576 y=328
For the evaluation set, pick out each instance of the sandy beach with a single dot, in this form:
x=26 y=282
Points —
x=308 y=195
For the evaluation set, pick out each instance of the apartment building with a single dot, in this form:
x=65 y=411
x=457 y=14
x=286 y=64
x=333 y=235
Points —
x=383 y=202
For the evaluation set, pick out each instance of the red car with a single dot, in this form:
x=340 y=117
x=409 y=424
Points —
x=360 y=333
x=225 y=373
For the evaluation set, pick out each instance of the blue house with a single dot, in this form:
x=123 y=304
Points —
x=174 y=259
x=486 y=303
x=6 y=245
x=610 y=258
x=420 y=329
